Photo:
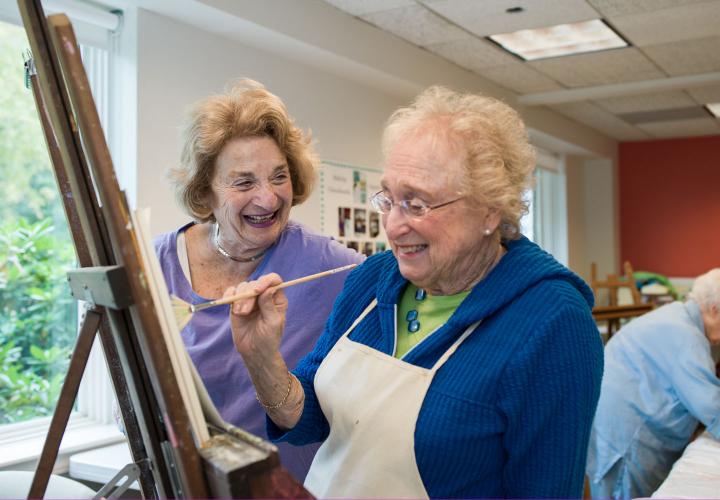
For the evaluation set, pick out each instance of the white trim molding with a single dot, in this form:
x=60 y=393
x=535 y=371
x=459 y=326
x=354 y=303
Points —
x=619 y=89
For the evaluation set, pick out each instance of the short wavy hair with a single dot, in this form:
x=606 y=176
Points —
x=706 y=289
x=246 y=109
x=499 y=160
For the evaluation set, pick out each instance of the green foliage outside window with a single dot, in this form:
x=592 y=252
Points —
x=37 y=314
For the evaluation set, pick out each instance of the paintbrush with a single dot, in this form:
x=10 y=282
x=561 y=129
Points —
x=184 y=311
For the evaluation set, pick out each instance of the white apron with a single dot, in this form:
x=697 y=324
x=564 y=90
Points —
x=372 y=402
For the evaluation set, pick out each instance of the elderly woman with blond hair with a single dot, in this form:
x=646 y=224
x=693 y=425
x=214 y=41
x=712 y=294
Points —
x=464 y=363
x=244 y=165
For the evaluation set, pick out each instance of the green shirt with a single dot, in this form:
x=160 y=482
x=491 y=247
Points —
x=432 y=313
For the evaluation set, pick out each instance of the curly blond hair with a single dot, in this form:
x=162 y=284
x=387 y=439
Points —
x=246 y=109
x=498 y=158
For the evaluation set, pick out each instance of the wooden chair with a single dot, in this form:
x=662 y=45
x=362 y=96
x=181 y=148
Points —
x=618 y=306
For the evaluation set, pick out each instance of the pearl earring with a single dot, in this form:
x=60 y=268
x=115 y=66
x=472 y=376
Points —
x=487 y=232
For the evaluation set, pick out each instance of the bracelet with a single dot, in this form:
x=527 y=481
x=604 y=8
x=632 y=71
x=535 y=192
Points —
x=268 y=406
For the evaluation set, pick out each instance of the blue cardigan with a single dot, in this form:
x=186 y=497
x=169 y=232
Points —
x=509 y=414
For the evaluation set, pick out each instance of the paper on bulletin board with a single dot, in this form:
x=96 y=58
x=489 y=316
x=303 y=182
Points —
x=347 y=214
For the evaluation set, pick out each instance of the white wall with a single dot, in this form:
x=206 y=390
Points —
x=601 y=215
x=592 y=215
x=575 y=196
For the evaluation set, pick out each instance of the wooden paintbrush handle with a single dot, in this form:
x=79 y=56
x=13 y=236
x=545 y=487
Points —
x=284 y=284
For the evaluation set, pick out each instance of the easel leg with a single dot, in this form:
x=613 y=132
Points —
x=65 y=404
x=149 y=486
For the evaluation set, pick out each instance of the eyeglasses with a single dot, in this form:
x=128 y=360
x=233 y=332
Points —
x=414 y=207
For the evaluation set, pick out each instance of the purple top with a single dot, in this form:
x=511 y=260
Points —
x=208 y=339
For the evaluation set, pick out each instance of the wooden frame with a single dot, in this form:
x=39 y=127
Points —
x=614 y=312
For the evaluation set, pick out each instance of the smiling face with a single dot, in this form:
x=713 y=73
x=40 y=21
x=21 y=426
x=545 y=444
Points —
x=251 y=194
x=446 y=250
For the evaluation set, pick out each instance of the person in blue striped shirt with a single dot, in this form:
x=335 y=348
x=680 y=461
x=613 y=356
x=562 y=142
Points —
x=659 y=382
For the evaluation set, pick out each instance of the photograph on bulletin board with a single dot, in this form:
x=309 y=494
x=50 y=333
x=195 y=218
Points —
x=347 y=213
x=345 y=222
x=359 y=187
x=360 y=222
x=373 y=224
x=367 y=248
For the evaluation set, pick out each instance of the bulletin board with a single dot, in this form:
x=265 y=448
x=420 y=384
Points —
x=346 y=212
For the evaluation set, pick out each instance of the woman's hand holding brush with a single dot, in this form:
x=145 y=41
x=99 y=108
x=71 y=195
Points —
x=258 y=321
x=257 y=326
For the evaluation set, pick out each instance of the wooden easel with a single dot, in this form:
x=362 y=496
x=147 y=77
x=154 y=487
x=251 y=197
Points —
x=614 y=312
x=112 y=279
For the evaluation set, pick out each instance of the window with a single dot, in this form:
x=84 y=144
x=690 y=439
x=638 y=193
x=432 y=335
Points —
x=38 y=317
x=546 y=224
x=527 y=222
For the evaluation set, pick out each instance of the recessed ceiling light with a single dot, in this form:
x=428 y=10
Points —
x=714 y=108
x=560 y=40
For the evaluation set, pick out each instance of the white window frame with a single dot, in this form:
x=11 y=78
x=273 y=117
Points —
x=92 y=423
x=549 y=205
x=527 y=222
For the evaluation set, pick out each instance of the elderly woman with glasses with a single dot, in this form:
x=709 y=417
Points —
x=464 y=363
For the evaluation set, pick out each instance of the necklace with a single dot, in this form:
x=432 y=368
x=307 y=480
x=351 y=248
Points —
x=224 y=253
x=412 y=314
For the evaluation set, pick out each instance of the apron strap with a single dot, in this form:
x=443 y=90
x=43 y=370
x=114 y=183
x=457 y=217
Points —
x=454 y=347
x=445 y=355
x=361 y=317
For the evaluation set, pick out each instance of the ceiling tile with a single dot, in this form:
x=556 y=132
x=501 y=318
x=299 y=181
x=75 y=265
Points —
x=670 y=25
x=614 y=8
x=495 y=20
x=520 y=78
x=473 y=53
x=687 y=57
x=361 y=7
x=599 y=119
x=599 y=68
x=646 y=102
x=705 y=95
x=683 y=128
x=416 y=24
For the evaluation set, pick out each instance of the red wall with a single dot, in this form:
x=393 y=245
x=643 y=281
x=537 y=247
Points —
x=670 y=205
